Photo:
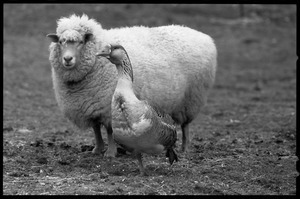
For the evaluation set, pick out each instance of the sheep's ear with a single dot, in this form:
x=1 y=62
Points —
x=87 y=37
x=53 y=37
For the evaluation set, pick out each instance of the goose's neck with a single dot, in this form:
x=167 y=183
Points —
x=125 y=76
x=125 y=73
x=125 y=68
x=124 y=84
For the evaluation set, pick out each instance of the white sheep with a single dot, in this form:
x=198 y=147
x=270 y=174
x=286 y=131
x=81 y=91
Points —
x=174 y=69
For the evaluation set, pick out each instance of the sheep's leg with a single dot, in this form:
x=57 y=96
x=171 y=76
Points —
x=112 y=148
x=186 y=137
x=99 y=141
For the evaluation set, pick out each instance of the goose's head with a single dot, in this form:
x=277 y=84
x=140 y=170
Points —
x=113 y=52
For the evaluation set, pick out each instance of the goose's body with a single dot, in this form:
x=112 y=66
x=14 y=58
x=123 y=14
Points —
x=137 y=126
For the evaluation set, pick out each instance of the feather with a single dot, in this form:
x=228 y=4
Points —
x=171 y=155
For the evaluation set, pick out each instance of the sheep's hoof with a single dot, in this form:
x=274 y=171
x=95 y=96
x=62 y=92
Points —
x=97 y=151
x=185 y=147
x=185 y=150
x=110 y=153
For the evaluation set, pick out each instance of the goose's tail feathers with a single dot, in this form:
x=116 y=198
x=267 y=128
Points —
x=171 y=154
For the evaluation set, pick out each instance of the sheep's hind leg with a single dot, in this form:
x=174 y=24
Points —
x=99 y=141
x=186 y=138
x=112 y=148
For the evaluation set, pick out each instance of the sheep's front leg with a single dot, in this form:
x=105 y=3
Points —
x=99 y=141
x=186 y=138
x=112 y=148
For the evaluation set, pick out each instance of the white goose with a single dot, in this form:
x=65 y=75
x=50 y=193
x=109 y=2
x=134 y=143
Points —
x=137 y=126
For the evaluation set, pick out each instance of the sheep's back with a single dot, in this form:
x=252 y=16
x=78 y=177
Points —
x=173 y=66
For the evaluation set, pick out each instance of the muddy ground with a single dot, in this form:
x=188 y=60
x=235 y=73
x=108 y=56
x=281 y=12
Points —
x=244 y=139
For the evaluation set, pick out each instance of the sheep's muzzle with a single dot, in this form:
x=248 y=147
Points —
x=70 y=53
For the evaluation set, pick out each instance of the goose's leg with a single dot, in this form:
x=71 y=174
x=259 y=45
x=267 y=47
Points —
x=186 y=137
x=99 y=141
x=141 y=167
x=112 y=148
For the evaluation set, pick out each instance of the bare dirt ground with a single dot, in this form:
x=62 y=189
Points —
x=244 y=139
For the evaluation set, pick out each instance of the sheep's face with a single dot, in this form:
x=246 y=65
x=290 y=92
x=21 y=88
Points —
x=70 y=52
x=70 y=48
x=72 y=55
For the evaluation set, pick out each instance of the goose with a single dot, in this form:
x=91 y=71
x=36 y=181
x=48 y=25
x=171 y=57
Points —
x=138 y=127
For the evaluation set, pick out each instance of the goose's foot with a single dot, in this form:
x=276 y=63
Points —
x=140 y=163
x=187 y=137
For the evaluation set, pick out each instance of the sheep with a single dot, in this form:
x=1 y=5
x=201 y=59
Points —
x=174 y=68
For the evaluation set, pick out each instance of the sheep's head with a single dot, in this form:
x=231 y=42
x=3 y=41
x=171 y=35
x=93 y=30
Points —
x=72 y=54
x=71 y=44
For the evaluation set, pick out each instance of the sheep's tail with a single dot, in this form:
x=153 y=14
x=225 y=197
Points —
x=171 y=154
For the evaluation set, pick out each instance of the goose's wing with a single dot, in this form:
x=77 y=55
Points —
x=163 y=125
x=166 y=132
x=132 y=115
x=119 y=116
x=163 y=118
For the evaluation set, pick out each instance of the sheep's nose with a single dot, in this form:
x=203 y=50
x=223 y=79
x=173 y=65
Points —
x=68 y=58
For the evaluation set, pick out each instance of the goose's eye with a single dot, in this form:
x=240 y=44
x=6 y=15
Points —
x=62 y=41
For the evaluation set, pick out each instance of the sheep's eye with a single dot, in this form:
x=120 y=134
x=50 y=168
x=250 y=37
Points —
x=81 y=42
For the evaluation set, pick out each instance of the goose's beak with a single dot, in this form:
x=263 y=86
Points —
x=105 y=51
